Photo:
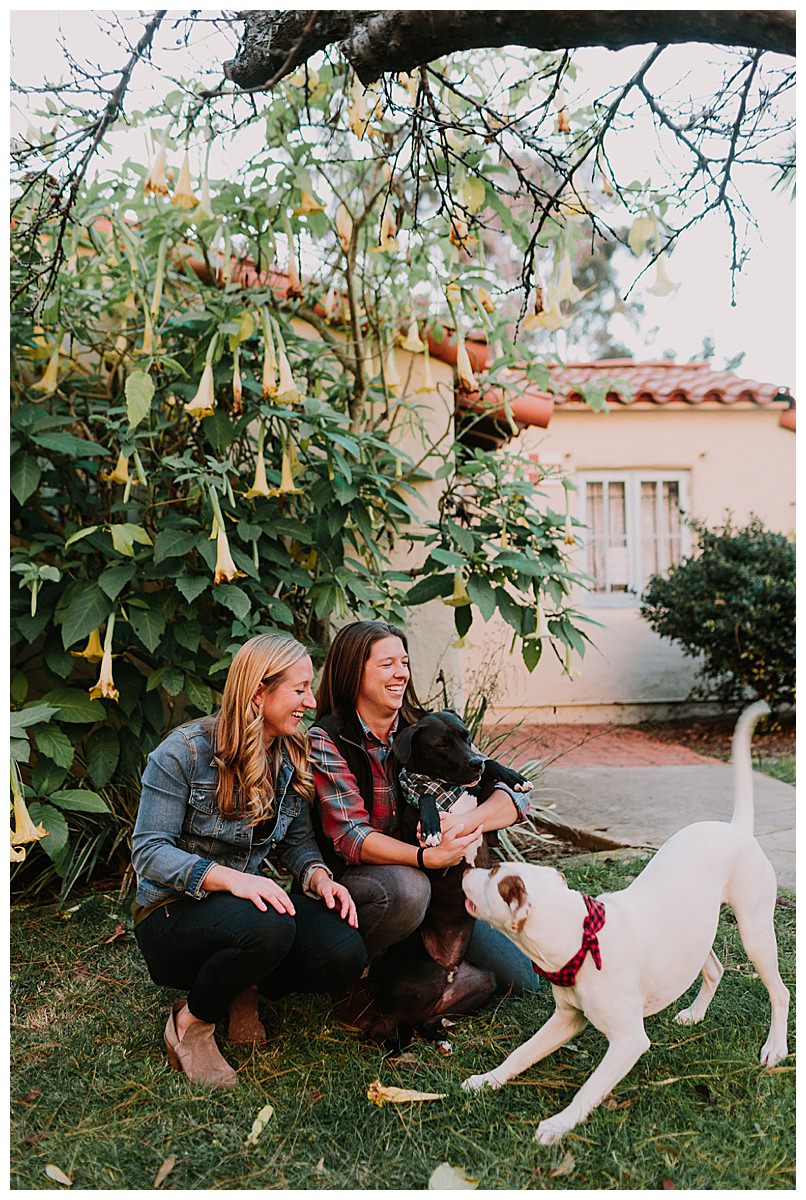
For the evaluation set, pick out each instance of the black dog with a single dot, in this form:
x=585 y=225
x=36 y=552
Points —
x=423 y=978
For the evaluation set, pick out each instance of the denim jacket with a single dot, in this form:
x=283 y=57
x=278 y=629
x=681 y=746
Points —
x=180 y=832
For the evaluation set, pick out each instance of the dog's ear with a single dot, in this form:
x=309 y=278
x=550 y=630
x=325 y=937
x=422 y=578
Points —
x=513 y=892
x=402 y=744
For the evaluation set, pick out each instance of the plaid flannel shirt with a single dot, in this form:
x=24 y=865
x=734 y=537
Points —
x=344 y=815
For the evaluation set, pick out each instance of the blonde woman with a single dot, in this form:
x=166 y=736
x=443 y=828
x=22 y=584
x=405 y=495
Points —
x=219 y=795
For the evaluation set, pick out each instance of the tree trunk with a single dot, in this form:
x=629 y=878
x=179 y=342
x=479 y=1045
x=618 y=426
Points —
x=273 y=42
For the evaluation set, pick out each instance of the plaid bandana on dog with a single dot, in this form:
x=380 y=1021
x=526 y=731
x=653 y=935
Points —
x=414 y=787
x=566 y=976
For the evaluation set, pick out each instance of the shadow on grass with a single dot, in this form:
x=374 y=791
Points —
x=92 y=1092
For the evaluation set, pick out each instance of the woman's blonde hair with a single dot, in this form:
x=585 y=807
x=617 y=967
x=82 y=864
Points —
x=247 y=768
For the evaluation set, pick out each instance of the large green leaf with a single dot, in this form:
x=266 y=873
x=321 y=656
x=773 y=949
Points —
x=79 y=800
x=234 y=598
x=125 y=535
x=102 y=751
x=55 y=744
x=429 y=588
x=25 y=476
x=199 y=695
x=113 y=579
x=68 y=443
x=148 y=624
x=56 y=825
x=139 y=394
x=34 y=714
x=192 y=586
x=482 y=595
x=75 y=706
x=173 y=543
x=88 y=609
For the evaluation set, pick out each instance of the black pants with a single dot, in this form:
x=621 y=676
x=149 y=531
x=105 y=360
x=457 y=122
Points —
x=218 y=947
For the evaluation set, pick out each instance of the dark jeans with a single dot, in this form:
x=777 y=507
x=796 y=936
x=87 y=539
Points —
x=218 y=947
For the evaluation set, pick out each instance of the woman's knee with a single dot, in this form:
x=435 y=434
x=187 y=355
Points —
x=265 y=936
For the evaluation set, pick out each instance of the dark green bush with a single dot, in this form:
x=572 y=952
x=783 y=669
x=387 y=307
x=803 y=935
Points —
x=733 y=602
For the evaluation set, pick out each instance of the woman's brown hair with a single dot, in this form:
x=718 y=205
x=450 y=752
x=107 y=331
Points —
x=344 y=667
x=247 y=767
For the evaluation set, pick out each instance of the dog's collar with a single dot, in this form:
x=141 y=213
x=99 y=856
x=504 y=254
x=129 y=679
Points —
x=566 y=976
x=416 y=787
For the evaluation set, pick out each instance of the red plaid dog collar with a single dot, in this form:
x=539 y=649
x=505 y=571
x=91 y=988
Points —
x=567 y=975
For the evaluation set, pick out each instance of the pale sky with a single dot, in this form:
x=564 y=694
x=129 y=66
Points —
x=762 y=322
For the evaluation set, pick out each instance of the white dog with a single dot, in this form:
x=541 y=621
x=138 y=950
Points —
x=656 y=937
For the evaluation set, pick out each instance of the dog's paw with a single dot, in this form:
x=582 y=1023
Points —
x=687 y=1017
x=432 y=839
x=772 y=1054
x=476 y=1082
x=550 y=1131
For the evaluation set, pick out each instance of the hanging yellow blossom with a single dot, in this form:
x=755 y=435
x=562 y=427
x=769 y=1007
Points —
x=205 y=203
x=427 y=384
x=458 y=233
x=331 y=303
x=485 y=300
x=344 y=227
x=105 y=687
x=294 y=283
x=260 y=486
x=387 y=241
x=269 y=382
x=148 y=334
x=412 y=341
x=93 y=651
x=459 y=598
x=391 y=374
x=308 y=204
x=287 y=486
x=547 y=317
x=203 y=403
x=566 y=289
x=662 y=285
x=121 y=471
x=25 y=830
x=50 y=380
x=472 y=193
x=464 y=371
x=287 y=390
x=156 y=182
x=184 y=196
x=237 y=385
x=225 y=569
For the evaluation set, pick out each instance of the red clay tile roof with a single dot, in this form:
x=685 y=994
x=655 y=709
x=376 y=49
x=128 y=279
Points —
x=661 y=383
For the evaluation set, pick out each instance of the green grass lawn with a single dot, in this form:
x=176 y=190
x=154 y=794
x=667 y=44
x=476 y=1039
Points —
x=782 y=767
x=92 y=1092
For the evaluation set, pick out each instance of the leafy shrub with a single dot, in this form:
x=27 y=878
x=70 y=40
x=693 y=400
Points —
x=733 y=602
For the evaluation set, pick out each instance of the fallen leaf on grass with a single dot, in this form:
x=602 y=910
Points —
x=406 y=1059
x=259 y=1124
x=379 y=1094
x=120 y=931
x=165 y=1171
x=668 y=1186
x=314 y=1095
x=567 y=1165
x=34 y=1094
x=319 y=1169
x=448 y=1178
x=57 y=1175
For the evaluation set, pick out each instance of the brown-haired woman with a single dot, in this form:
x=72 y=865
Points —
x=365 y=697
x=219 y=795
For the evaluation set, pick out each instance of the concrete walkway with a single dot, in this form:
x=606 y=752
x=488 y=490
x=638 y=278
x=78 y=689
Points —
x=617 y=796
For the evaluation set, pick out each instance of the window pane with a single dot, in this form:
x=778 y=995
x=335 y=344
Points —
x=672 y=522
x=650 y=562
x=596 y=536
x=618 y=562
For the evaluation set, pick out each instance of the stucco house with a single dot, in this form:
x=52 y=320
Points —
x=673 y=439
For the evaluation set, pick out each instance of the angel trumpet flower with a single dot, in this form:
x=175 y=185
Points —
x=566 y=288
x=287 y=390
x=25 y=830
x=412 y=341
x=427 y=384
x=269 y=360
x=50 y=380
x=662 y=285
x=203 y=403
x=287 y=486
x=344 y=227
x=485 y=300
x=93 y=651
x=225 y=569
x=460 y=597
x=387 y=241
x=237 y=386
x=184 y=197
x=105 y=687
x=205 y=203
x=260 y=487
x=156 y=182
x=467 y=380
x=294 y=284
x=391 y=374
x=121 y=471
x=308 y=204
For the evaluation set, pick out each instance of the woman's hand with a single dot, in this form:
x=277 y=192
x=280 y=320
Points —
x=260 y=890
x=456 y=839
x=335 y=895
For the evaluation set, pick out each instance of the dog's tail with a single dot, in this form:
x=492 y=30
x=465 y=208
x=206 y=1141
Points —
x=743 y=764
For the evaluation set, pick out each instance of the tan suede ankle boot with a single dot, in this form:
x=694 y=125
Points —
x=196 y=1053
x=245 y=1024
